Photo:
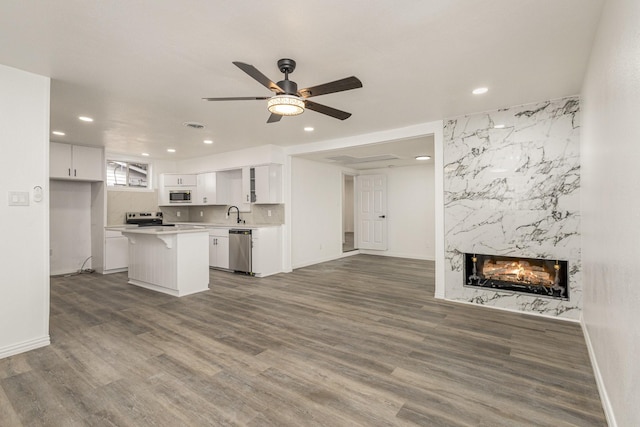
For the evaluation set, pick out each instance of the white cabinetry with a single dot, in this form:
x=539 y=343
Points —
x=206 y=193
x=172 y=261
x=179 y=180
x=267 y=251
x=219 y=248
x=181 y=183
x=116 y=252
x=266 y=184
x=232 y=188
x=76 y=162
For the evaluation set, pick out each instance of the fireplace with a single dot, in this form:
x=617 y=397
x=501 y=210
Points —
x=536 y=276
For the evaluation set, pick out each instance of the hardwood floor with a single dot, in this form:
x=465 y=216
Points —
x=357 y=341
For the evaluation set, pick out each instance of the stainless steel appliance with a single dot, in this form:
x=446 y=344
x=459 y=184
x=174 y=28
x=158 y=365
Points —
x=180 y=196
x=240 y=251
x=143 y=218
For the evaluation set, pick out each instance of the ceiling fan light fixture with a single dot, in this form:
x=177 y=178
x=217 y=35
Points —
x=285 y=105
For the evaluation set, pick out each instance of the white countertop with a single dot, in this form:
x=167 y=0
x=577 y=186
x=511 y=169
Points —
x=184 y=225
x=159 y=229
x=230 y=226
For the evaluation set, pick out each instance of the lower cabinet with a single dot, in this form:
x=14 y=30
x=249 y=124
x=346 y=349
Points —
x=219 y=248
x=267 y=251
x=116 y=252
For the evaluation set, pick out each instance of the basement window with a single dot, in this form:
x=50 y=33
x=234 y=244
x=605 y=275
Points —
x=123 y=174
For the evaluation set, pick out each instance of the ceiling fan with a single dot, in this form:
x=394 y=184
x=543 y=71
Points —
x=288 y=100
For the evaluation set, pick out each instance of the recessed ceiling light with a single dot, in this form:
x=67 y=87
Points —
x=208 y=141
x=171 y=150
x=498 y=127
x=57 y=132
x=480 y=91
x=423 y=157
x=308 y=129
x=145 y=154
x=85 y=119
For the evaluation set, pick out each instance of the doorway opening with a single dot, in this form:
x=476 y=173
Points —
x=348 y=213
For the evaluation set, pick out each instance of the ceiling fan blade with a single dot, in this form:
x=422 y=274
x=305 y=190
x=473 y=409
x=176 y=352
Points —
x=259 y=77
x=238 y=98
x=273 y=118
x=319 y=108
x=337 y=86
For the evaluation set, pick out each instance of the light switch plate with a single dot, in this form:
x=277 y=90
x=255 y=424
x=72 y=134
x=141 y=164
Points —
x=18 y=198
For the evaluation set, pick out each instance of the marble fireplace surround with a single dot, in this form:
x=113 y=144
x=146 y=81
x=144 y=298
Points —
x=511 y=185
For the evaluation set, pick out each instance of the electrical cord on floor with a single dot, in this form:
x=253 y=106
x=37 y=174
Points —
x=88 y=270
x=81 y=271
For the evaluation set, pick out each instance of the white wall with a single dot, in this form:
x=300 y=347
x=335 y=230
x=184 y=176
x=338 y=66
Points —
x=316 y=212
x=610 y=151
x=70 y=224
x=24 y=164
x=410 y=211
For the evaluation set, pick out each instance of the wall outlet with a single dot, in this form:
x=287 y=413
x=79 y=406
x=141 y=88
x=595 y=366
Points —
x=201 y=213
x=268 y=212
x=178 y=214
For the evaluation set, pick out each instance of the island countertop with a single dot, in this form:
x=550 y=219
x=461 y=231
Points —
x=159 y=229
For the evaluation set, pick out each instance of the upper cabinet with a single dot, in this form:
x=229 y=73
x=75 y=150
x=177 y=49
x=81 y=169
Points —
x=179 y=180
x=266 y=184
x=232 y=187
x=177 y=189
x=206 y=193
x=240 y=187
x=76 y=162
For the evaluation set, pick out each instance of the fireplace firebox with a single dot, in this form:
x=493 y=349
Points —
x=525 y=275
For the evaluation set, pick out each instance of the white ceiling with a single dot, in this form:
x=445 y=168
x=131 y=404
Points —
x=375 y=156
x=140 y=68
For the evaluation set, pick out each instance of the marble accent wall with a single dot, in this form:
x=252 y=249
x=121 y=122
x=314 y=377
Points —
x=514 y=191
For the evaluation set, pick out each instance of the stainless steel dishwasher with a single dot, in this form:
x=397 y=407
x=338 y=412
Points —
x=240 y=250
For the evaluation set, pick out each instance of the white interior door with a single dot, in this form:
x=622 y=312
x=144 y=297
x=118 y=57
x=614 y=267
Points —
x=372 y=212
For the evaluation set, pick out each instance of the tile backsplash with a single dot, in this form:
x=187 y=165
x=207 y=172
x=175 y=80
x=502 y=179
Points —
x=120 y=202
x=218 y=214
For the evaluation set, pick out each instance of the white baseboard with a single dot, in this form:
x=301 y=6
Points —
x=397 y=255
x=316 y=261
x=604 y=397
x=14 y=349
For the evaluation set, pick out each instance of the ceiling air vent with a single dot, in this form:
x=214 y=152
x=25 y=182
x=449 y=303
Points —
x=193 y=125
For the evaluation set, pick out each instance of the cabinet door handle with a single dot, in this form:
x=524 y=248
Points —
x=74 y=172
x=69 y=171
x=247 y=197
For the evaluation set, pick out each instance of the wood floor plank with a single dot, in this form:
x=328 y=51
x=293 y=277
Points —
x=356 y=341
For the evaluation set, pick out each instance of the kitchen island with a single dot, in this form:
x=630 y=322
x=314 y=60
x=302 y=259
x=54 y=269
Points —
x=171 y=260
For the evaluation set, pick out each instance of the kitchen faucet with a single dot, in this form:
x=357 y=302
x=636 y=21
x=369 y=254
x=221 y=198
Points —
x=238 y=220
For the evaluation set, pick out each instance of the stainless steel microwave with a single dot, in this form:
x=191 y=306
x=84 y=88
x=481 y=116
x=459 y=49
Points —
x=180 y=196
